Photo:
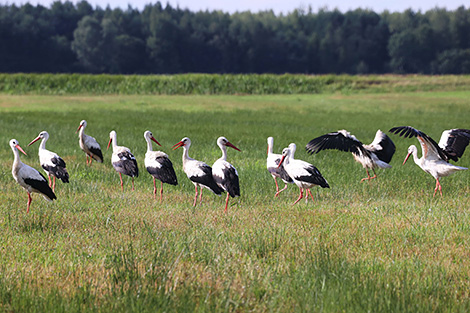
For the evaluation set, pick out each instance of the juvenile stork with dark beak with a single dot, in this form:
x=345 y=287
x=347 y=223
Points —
x=123 y=160
x=224 y=173
x=375 y=155
x=29 y=178
x=89 y=145
x=52 y=164
x=197 y=171
x=436 y=157
x=158 y=165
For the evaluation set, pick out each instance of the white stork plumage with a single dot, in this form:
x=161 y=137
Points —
x=89 y=145
x=158 y=165
x=272 y=164
x=435 y=158
x=29 y=178
x=123 y=160
x=52 y=164
x=304 y=174
x=224 y=173
x=197 y=171
x=375 y=155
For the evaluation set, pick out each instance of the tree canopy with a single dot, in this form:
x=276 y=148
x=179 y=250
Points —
x=161 y=39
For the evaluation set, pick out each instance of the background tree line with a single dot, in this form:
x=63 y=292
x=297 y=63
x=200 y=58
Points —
x=69 y=37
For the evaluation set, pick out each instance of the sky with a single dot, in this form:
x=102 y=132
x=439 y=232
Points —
x=278 y=6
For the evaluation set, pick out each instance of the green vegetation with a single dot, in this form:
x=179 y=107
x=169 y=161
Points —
x=207 y=84
x=383 y=246
x=72 y=37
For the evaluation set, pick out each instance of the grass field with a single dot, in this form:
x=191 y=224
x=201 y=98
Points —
x=383 y=246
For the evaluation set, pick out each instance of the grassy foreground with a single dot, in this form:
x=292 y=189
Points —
x=383 y=246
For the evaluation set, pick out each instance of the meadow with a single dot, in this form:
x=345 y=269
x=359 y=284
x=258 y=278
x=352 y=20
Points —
x=380 y=246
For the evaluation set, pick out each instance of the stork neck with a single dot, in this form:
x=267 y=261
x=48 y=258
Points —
x=270 y=146
x=149 y=145
x=17 y=160
x=224 y=152
x=42 y=145
x=113 y=142
x=185 y=154
x=415 y=156
x=81 y=132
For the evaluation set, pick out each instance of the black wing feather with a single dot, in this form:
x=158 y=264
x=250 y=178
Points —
x=336 y=141
x=127 y=164
x=457 y=143
x=231 y=184
x=315 y=177
x=207 y=180
x=409 y=132
x=41 y=186
x=166 y=173
x=97 y=154
x=388 y=149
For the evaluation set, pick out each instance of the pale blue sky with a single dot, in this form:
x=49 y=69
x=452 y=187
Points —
x=278 y=6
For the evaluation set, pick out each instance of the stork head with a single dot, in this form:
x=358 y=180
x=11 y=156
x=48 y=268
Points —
x=222 y=141
x=185 y=142
x=82 y=125
x=411 y=149
x=285 y=154
x=149 y=136
x=15 y=145
x=42 y=135
x=112 y=136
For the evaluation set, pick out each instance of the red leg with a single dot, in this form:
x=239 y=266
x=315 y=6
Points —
x=154 y=189
x=300 y=196
x=277 y=186
x=200 y=196
x=161 y=192
x=91 y=160
x=122 y=186
x=310 y=193
x=195 y=196
x=29 y=202
x=285 y=187
x=438 y=186
x=50 y=180
x=226 y=202
x=132 y=183
x=53 y=186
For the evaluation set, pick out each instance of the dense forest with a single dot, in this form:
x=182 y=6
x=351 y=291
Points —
x=68 y=37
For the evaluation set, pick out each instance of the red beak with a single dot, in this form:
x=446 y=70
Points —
x=78 y=128
x=179 y=144
x=406 y=159
x=109 y=143
x=155 y=140
x=282 y=160
x=19 y=148
x=37 y=138
x=228 y=144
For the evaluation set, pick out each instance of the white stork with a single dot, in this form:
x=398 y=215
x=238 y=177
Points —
x=224 y=173
x=89 y=145
x=435 y=158
x=29 y=178
x=375 y=155
x=52 y=164
x=197 y=171
x=158 y=165
x=123 y=160
x=272 y=164
x=304 y=174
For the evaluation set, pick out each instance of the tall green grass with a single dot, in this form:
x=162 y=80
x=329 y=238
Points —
x=383 y=246
x=213 y=84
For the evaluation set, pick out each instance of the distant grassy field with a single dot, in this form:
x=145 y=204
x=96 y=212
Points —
x=383 y=246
